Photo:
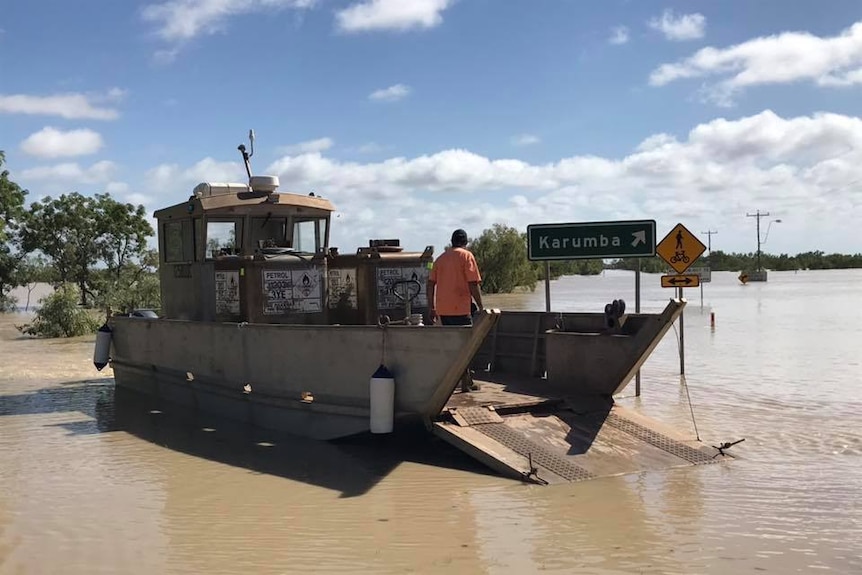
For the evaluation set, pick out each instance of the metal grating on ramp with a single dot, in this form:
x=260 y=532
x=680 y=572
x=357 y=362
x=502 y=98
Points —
x=659 y=440
x=518 y=443
x=467 y=416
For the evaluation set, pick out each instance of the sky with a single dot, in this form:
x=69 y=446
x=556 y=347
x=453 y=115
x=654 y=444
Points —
x=416 y=117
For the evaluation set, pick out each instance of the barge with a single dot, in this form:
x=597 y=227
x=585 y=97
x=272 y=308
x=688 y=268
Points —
x=263 y=321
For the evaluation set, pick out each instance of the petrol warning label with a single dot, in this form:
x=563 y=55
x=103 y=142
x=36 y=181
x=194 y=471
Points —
x=291 y=291
x=227 y=292
x=392 y=282
x=342 y=288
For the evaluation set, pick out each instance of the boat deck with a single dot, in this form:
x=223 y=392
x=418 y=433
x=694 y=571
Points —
x=514 y=427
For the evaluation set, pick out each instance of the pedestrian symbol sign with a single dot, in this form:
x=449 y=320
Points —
x=680 y=248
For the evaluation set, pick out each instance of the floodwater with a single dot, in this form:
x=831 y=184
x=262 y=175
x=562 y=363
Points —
x=94 y=483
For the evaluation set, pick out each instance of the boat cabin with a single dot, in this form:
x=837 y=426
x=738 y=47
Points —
x=249 y=253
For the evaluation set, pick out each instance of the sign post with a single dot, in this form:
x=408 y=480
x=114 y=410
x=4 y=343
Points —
x=589 y=240
x=638 y=310
x=680 y=248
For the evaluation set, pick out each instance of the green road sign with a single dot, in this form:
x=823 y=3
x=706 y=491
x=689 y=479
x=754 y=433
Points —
x=591 y=240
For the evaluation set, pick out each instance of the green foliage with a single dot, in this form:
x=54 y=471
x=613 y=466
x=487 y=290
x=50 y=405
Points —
x=133 y=285
x=816 y=260
x=77 y=232
x=11 y=213
x=60 y=316
x=653 y=265
x=32 y=270
x=8 y=303
x=11 y=203
x=501 y=253
x=570 y=268
x=721 y=261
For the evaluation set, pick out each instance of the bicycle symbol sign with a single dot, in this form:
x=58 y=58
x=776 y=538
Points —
x=680 y=248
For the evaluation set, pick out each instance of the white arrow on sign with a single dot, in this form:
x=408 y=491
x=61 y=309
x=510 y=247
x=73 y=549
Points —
x=640 y=238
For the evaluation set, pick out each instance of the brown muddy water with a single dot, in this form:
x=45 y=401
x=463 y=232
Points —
x=91 y=482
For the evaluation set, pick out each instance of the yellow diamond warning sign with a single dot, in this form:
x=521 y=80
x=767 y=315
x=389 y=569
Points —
x=680 y=248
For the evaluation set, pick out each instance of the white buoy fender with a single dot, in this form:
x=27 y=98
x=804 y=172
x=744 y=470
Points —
x=382 y=395
x=102 y=352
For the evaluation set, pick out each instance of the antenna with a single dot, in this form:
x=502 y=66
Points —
x=245 y=155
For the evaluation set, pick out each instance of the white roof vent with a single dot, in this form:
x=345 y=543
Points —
x=263 y=184
x=209 y=189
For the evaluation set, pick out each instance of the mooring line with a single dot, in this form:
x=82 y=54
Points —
x=685 y=385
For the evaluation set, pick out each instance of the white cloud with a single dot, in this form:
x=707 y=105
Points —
x=173 y=177
x=165 y=56
x=71 y=173
x=678 y=28
x=781 y=59
x=619 y=35
x=525 y=140
x=370 y=148
x=181 y=20
x=117 y=188
x=391 y=15
x=115 y=94
x=310 y=146
x=803 y=169
x=390 y=94
x=53 y=143
x=71 y=106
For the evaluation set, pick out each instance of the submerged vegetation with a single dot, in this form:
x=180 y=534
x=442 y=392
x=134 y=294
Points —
x=501 y=253
x=92 y=250
x=61 y=316
x=720 y=261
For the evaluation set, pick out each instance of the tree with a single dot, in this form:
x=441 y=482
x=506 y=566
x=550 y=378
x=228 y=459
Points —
x=125 y=230
x=60 y=316
x=570 y=268
x=501 y=253
x=32 y=271
x=133 y=285
x=11 y=212
x=76 y=232
x=651 y=265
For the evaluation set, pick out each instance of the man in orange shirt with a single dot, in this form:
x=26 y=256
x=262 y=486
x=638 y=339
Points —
x=454 y=284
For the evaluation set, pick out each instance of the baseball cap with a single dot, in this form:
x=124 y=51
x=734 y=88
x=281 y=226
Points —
x=459 y=237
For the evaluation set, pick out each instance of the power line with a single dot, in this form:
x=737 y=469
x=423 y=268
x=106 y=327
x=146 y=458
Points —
x=709 y=233
x=758 y=215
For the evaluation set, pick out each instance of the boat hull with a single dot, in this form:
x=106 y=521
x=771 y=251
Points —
x=306 y=380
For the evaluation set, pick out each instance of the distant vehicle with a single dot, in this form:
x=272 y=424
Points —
x=147 y=313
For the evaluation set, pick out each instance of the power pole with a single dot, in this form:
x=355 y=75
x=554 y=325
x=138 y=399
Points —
x=758 y=215
x=709 y=233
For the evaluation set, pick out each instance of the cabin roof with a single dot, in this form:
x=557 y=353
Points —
x=248 y=203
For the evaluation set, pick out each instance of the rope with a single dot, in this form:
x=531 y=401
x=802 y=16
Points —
x=383 y=345
x=685 y=385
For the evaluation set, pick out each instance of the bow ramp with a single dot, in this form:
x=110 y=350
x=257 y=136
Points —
x=544 y=411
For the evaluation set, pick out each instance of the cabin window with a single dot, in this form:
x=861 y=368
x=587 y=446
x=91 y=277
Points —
x=269 y=232
x=179 y=242
x=306 y=235
x=222 y=238
x=173 y=234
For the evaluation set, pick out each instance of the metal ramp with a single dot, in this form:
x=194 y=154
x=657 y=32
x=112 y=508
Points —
x=549 y=440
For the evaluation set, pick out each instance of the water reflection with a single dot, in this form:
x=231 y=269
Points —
x=368 y=458
x=93 y=483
